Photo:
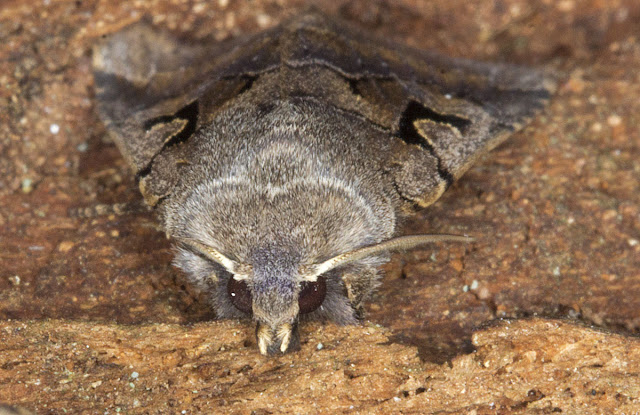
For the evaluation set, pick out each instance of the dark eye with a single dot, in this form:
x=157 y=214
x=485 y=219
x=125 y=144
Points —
x=240 y=295
x=312 y=295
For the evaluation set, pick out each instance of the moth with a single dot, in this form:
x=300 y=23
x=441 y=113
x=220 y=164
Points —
x=280 y=163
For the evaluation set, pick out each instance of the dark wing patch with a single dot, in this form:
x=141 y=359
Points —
x=422 y=126
x=154 y=92
x=175 y=129
x=454 y=109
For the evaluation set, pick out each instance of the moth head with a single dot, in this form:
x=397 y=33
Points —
x=275 y=288
x=283 y=244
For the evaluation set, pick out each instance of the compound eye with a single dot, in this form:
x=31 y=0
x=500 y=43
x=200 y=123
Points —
x=312 y=295
x=240 y=295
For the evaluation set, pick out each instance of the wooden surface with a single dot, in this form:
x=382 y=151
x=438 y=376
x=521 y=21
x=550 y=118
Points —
x=555 y=210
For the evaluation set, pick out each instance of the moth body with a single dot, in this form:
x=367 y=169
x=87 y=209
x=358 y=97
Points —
x=290 y=193
x=280 y=163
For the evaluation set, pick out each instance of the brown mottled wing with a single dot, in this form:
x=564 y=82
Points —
x=155 y=91
x=443 y=112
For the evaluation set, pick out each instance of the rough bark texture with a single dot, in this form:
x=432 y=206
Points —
x=532 y=366
x=556 y=210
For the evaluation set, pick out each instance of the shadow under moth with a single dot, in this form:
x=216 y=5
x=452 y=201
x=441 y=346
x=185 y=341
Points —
x=279 y=163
